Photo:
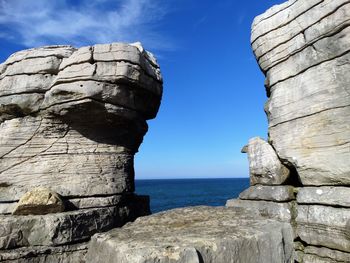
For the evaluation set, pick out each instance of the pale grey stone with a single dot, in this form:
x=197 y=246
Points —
x=293 y=21
x=325 y=49
x=148 y=55
x=266 y=209
x=99 y=168
x=330 y=24
x=82 y=141
x=324 y=226
x=55 y=229
x=59 y=51
x=40 y=65
x=197 y=234
x=317 y=146
x=324 y=29
x=325 y=195
x=321 y=254
x=134 y=73
x=116 y=94
x=67 y=227
x=264 y=165
x=71 y=121
x=278 y=193
x=329 y=90
x=272 y=11
x=94 y=202
x=82 y=55
x=278 y=15
x=139 y=204
x=23 y=84
x=132 y=53
x=116 y=72
x=303 y=49
x=62 y=254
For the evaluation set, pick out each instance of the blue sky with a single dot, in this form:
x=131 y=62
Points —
x=213 y=89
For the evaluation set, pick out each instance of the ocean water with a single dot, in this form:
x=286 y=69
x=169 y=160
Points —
x=166 y=194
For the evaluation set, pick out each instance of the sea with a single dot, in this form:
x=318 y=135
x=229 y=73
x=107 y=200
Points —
x=167 y=194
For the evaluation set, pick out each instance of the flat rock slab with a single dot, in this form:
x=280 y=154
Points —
x=278 y=193
x=194 y=235
x=267 y=209
x=59 y=228
x=325 y=195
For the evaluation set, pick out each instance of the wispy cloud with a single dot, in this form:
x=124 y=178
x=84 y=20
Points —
x=42 y=22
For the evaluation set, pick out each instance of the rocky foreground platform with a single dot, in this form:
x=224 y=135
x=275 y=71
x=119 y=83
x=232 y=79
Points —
x=195 y=235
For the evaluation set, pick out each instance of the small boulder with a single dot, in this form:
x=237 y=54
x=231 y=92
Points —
x=264 y=164
x=39 y=201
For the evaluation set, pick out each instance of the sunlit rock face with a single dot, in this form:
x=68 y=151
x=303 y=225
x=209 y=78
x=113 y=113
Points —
x=71 y=121
x=302 y=46
x=196 y=234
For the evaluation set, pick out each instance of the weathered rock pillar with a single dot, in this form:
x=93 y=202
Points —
x=303 y=49
x=71 y=122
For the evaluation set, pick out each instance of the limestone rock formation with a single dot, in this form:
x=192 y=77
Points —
x=303 y=49
x=264 y=165
x=198 y=234
x=71 y=121
x=39 y=201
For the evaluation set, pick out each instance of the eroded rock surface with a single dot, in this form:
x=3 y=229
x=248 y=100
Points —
x=71 y=121
x=264 y=165
x=304 y=51
x=197 y=234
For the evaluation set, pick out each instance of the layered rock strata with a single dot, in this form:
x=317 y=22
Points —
x=304 y=52
x=71 y=122
x=303 y=49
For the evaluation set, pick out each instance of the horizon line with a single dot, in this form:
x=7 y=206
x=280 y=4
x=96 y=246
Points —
x=191 y=178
